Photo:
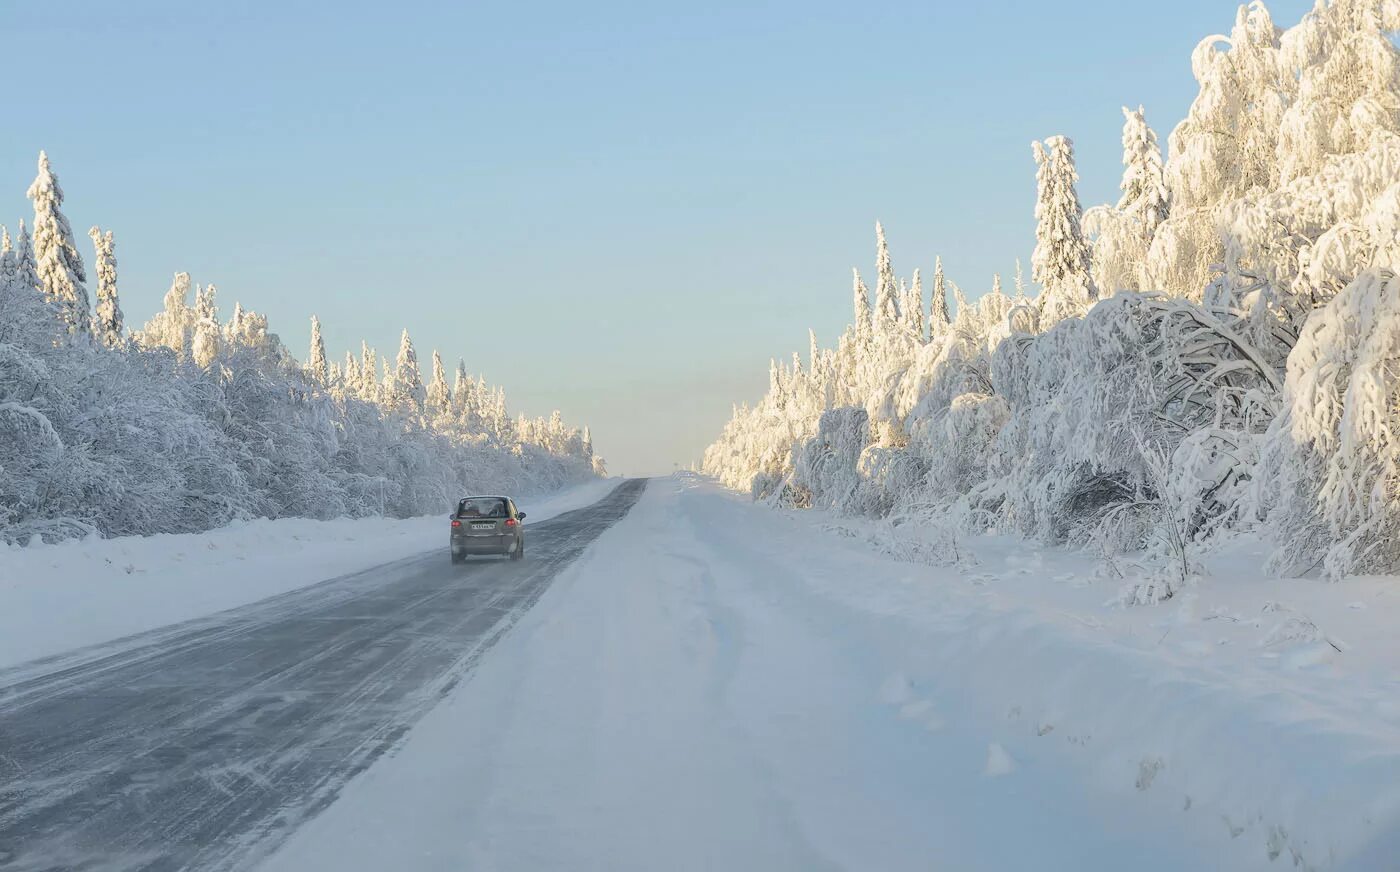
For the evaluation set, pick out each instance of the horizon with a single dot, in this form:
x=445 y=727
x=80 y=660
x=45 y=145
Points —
x=567 y=202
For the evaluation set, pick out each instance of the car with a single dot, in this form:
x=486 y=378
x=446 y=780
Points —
x=487 y=525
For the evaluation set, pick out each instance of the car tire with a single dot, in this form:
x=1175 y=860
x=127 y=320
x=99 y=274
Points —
x=519 y=552
x=458 y=558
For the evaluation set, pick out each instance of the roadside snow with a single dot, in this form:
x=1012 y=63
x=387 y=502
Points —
x=719 y=686
x=54 y=598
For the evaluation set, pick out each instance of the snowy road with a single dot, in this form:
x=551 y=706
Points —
x=204 y=744
x=712 y=685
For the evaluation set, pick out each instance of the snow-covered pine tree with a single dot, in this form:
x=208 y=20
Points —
x=27 y=317
x=1024 y=317
x=316 y=366
x=1145 y=198
x=107 y=324
x=234 y=328
x=481 y=396
x=776 y=390
x=914 y=308
x=369 y=374
x=406 y=392
x=465 y=407
x=864 y=326
x=556 y=434
x=501 y=424
x=939 y=319
x=461 y=384
x=386 y=383
x=594 y=462
x=438 y=401
x=1061 y=261
x=9 y=266
x=996 y=305
x=1123 y=233
x=350 y=374
x=59 y=265
x=26 y=266
x=963 y=312
x=886 y=289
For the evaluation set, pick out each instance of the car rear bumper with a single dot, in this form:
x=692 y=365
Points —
x=484 y=544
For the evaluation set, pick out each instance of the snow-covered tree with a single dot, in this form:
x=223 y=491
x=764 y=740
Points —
x=1339 y=439
x=316 y=366
x=405 y=385
x=1061 y=261
x=206 y=303
x=194 y=424
x=1123 y=233
x=938 y=318
x=107 y=324
x=58 y=263
x=887 y=314
x=369 y=374
x=1224 y=148
x=26 y=266
x=204 y=345
x=913 y=308
x=350 y=374
x=864 y=323
x=438 y=400
x=173 y=327
x=1348 y=83
x=206 y=340
x=27 y=318
x=1151 y=419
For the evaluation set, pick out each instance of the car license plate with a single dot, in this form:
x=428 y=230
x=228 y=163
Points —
x=486 y=526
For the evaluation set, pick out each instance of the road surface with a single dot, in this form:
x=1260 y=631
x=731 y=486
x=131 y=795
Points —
x=201 y=746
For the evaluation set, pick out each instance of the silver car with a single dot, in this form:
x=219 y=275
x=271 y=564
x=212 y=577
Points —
x=487 y=525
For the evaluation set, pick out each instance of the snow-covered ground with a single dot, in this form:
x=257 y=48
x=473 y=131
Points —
x=54 y=598
x=718 y=686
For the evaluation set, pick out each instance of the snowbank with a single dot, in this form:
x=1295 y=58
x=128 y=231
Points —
x=54 y=598
x=1261 y=715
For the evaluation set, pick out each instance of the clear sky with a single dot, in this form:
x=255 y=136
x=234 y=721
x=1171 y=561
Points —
x=620 y=210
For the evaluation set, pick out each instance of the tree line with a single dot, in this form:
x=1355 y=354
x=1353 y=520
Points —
x=1215 y=352
x=190 y=421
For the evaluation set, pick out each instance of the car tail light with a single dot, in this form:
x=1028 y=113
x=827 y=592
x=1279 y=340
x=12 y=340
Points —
x=456 y=523
x=511 y=522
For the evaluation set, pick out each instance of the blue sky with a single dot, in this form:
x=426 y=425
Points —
x=619 y=210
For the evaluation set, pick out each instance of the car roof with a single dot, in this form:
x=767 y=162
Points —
x=485 y=497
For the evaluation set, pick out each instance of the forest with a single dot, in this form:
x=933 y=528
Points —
x=190 y=421
x=1217 y=353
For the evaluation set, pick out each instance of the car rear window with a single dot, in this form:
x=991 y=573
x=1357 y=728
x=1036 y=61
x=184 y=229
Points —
x=482 y=507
